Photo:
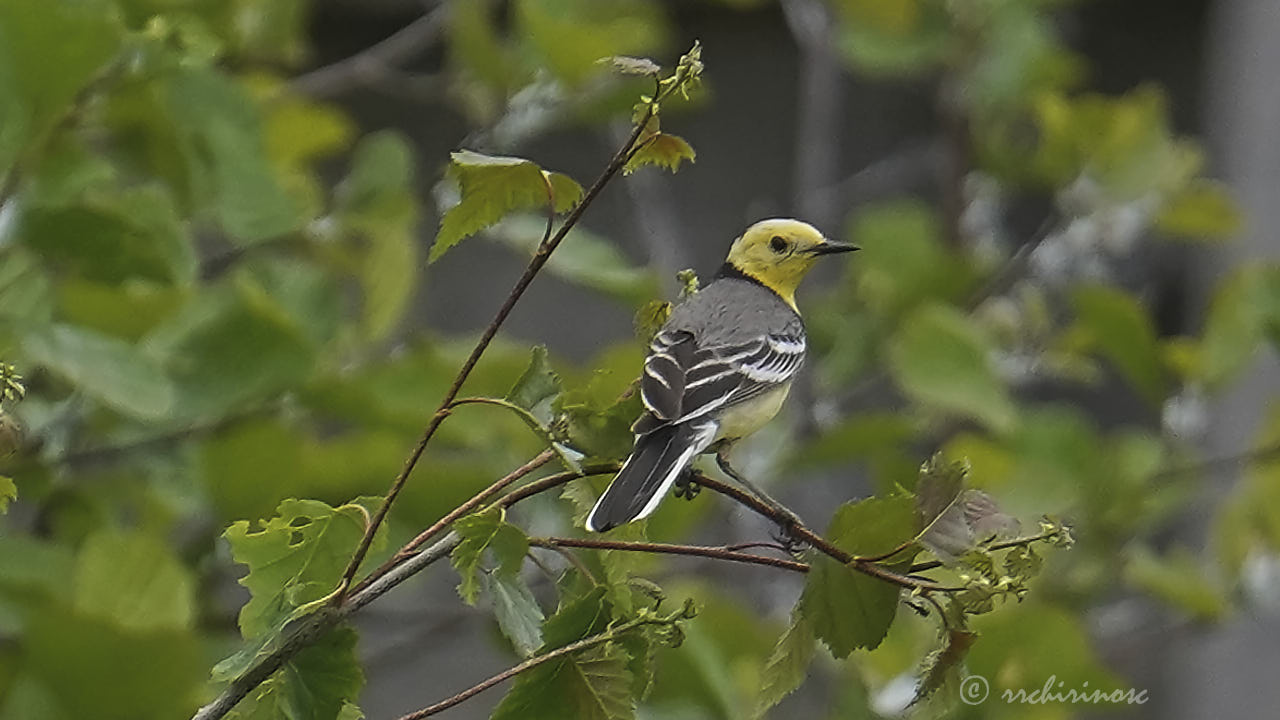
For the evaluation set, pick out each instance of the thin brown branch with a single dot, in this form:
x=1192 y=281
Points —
x=531 y=271
x=994 y=547
x=552 y=481
x=716 y=553
x=375 y=61
x=452 y=516
x=533 y=662
x=801 y=532
x=1220 y=464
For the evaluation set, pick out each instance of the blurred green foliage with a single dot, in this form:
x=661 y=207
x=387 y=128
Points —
x=210 y=335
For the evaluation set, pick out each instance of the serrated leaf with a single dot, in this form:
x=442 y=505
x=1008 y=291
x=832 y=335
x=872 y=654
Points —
x=319 y=683
x=632 y=65
x=939 y=357
x=788 y=664
x=483 y=532
x=8 y=493
x=296 y=557
x=493 y=186
x=660 y=149
x=847 y=610
x=106 y=369
x=943 y=664
x=1022 y=563
x=594 y=684
x=600 y=430
x=650 y=318
x=536 y=386
x=576 y=618
x=518 y=614
x=874 y=525
x=565 y=191
x=953 y=518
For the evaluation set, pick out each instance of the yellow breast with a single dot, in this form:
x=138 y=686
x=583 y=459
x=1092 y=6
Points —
x=745 y=418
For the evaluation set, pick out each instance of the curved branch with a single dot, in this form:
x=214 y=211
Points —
x=535 y=661
x=715 y=553
x=801 y=532
x=531 y=271
x=375 y=60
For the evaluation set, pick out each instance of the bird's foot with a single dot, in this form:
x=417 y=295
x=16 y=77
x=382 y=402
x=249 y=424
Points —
x=686 y=487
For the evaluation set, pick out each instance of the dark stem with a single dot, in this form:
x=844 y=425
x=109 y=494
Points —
x=801 y=532
x=716 y=553
x=465 y=508
x=531 y=663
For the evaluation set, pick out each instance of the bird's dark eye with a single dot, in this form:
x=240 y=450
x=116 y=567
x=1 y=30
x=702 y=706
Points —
x=778 y=245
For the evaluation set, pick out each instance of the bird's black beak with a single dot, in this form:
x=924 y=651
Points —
x=830 y=248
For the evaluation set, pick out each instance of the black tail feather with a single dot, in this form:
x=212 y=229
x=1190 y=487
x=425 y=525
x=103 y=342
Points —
x=656 y=461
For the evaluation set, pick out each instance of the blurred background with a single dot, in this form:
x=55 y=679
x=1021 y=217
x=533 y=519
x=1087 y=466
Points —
x=215 y=217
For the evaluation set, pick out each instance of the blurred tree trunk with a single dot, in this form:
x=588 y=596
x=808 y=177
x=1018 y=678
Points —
x=1209 y=672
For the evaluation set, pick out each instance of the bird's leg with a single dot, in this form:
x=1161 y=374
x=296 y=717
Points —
x=786 y=518
x=686 y=487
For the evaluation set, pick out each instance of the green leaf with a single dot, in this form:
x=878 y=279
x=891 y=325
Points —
x=943 y=665
x=662 y=150
x=576 y=618
x=536 y=386
x=904 y=259
x=296 y=557
x=788 y=664
x=135 y=581
x=1178 y=579
x=898 y=38
x=847 y=609
x=220 y=136
x=1245 y=307
x=8 y=493
x=874 y=526
x=518 y=614
x=939 y=358
x=49 y=52
x=482 y=532
x=955 y=519
x=593 y=684
x=105 y=369
x=1122 y=331
x=25 y=293
x=1204 y=209
x=114 y=236
x=377 y=201
x=229 y=347
x=570 y=37
x=492 y=187
x=599 y=430
x=97 y=669
x=319 y=683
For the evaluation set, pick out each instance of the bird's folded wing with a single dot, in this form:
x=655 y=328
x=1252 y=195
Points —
x=683 y=381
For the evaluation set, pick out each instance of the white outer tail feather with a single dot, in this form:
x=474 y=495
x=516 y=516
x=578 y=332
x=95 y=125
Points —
x=706 y=435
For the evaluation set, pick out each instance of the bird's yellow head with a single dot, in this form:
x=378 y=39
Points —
x=779 y=252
